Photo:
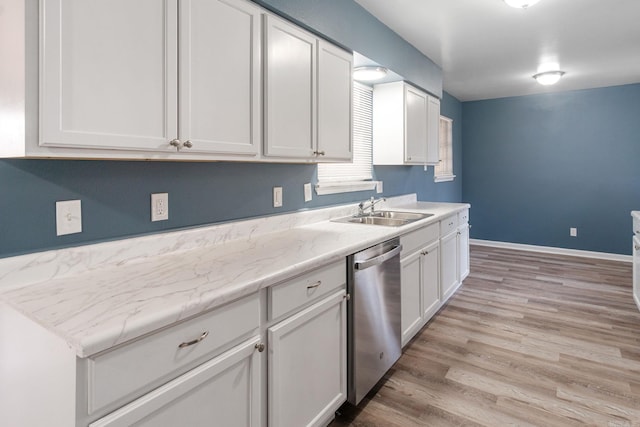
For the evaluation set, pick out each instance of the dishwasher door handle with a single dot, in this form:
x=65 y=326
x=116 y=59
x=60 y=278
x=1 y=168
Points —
x=361 y=265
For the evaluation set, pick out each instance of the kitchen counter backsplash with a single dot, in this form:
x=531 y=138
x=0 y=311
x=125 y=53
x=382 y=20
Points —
x=37 y=267
x=99 y=296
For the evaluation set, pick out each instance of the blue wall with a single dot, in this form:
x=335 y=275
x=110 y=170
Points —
x=116 y=195
x=537 y=165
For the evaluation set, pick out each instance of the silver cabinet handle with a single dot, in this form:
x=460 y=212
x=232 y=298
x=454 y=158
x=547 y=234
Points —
x=196 y=341
x=347 y=297
x=187 y=144
x=319 y=153
x=424 y=253
x=175 y=143
x=260 y=347
x=315 y=285
x=637 y=248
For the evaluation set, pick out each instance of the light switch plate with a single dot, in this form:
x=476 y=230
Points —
x=307 y=192
x=159 y=206
x=379 y=187
x=68 y=217
x=277 y=197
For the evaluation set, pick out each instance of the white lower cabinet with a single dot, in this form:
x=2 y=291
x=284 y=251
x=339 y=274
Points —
x=420 y=286
x=636 y=269
x=307 y=364
x=463 y=251
x=449 y=264
x=224 y=391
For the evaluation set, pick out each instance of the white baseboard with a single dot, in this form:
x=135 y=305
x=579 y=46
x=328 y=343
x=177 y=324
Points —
x=552 y=250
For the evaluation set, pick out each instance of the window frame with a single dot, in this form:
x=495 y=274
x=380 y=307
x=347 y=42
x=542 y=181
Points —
x=443 y=171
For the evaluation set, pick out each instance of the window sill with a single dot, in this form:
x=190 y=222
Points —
x=444 y=178
x=323 y=188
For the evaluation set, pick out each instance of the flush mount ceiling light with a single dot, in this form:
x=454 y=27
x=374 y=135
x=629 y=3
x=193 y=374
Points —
x=548 y=77
x=521 y=4
x=369 y=73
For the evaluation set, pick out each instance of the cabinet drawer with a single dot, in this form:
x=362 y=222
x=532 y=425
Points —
x=448 y=225
x=418 y=239
x=294 y=293
x=463 y=216
x=130 y=369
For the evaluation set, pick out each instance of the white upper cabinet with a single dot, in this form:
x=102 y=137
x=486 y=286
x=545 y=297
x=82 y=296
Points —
x=165 y=76
x=308 y=89
x=220 y=76
x=108 y=74
x=290 y=90
x=402 y=125
x=433 y=131
x=335 y=86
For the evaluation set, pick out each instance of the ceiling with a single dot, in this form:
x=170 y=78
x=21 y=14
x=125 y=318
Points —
x=489 y=50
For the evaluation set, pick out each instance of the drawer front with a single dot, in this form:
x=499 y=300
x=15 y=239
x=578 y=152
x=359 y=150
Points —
x=463 y=216
x=287 y=296
x=418 y=239
x=448 y=225
x=129 y=369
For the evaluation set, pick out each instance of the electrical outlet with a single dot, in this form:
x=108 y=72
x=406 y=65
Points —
x=159 y=206
x=307 y=192
x=68 y=217
x=277 y=197
x=573 y=232
x=379 y=187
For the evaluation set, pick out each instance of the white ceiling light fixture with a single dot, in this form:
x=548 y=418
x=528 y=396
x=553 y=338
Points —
x=369 y=73
x=547 y=78
x=521 y=4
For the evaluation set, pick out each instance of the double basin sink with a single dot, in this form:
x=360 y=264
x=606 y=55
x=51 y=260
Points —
x=388 y=218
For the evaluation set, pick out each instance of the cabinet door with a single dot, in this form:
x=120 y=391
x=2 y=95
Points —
x=410 y=294
x=433 y=131
x=636 y=270
x=430 y=284
x=415 y=143
x=220 y=80
x=307 y=365
x=335 y=83
x=222 y=392
x=108 y=74
x=290 y=90
x=448 y=265
x=463 y=251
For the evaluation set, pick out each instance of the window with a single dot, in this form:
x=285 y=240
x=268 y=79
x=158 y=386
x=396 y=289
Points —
x=444 y=170
x=357 y=175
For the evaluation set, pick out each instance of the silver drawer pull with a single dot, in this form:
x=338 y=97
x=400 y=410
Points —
x=196 y=341
x=319 y=153
x=259 y=347
x=315 y=285
x=637 y=248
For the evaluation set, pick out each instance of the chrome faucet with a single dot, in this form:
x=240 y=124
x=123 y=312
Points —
x=372 y=203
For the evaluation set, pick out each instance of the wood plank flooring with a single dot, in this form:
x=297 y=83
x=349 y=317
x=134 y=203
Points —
x=530 y=339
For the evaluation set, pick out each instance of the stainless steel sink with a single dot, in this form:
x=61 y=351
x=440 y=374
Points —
x=388 y=218
x=410 y=216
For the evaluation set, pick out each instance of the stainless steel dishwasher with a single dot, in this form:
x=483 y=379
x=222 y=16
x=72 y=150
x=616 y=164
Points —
x=373 y=312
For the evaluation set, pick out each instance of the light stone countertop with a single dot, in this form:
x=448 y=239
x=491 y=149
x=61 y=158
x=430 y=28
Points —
x=95 y=305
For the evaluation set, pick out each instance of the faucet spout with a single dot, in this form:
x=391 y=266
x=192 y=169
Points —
x=372 y=202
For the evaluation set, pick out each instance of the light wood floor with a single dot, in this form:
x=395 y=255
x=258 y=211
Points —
x=529 y=339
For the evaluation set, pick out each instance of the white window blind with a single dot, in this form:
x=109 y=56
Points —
x=360 y=169
x=444 y=169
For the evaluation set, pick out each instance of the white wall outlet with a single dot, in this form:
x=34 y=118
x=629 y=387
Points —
x=307 y=192
x=379 y=187
x=68 y=217
x=573 y=232
x=277 y=197
x=159 y=206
